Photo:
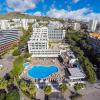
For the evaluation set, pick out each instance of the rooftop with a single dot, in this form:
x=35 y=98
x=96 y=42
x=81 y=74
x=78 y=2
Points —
x=95 y=35
x=76 y=72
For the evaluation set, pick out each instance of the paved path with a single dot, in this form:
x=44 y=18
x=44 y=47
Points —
x=7 y=62
x=40 y=94
x=90 y=93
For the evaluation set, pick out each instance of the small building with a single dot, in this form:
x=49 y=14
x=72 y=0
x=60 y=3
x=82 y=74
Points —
x=76 y=76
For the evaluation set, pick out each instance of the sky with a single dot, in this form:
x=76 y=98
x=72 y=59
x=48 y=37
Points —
x=76 y=9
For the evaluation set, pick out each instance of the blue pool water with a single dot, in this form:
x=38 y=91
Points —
x=26 y=64
x=42 y=71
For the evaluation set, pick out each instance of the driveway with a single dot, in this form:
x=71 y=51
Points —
x=7 y=62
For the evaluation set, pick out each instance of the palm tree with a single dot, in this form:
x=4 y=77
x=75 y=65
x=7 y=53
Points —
x=32 y=89
x=63 y=87
x=23 y=86
x=3 y=84
x=47 y=90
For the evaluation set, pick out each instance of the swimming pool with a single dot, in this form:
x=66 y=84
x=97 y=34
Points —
x=26 y=64
x=42 y=71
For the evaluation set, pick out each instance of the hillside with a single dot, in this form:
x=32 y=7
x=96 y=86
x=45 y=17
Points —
x=15 y=15
x=20 y=15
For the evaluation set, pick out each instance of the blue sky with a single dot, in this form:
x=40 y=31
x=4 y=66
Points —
x=54 y=8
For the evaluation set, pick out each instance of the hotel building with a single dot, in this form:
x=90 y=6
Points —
x=39 y=44
x=7 y=39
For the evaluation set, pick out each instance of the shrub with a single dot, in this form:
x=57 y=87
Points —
x=79 y=86
x=16 y=52
x=13 y=95
x=63 y=87
x=47 y=90
x=17 y=66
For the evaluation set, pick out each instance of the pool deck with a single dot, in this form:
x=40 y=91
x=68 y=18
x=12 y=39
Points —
x=46 y=62
x=58 y=76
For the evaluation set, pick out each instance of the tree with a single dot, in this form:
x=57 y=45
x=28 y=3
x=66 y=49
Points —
x=17 y=66
x=91 y=76
x=79 y=86
x=3 y=84
x=32 y=89
x=47 y=90
x=63 y=87
x=16 y=52
x=13 y=95
x=84 y=52
x=23 y=86
x=27 y=55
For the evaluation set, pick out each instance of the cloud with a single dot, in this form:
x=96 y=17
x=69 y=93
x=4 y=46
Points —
x=38 y=13
x=75 y=1
x=57 y=13
x=80 y=14
x=21 y=5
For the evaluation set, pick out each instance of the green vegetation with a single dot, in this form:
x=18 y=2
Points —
x=47 y=90
x=23 y=86
x=13 y=95
x=32 y=89
x=79 y=86
x=80 y=46
x=63 y=87
x=26 y=35
x=27 y=55
x=28 y=88
x=3 y=83
x=8 y=91
x=3 y=96
x=12 y=15
x=17 y=66
x=16 y=52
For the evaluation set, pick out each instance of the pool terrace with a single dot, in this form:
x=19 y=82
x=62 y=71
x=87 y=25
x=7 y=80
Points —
x=58 y=76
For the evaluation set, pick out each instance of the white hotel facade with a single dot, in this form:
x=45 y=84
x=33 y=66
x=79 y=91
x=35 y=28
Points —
x=38 y=44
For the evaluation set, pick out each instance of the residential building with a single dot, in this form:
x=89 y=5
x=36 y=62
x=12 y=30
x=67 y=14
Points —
x=76 y=26
x=55 y=24
x=93 y=25
x=15 y=23
x=39 y=44
x=4 y=24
